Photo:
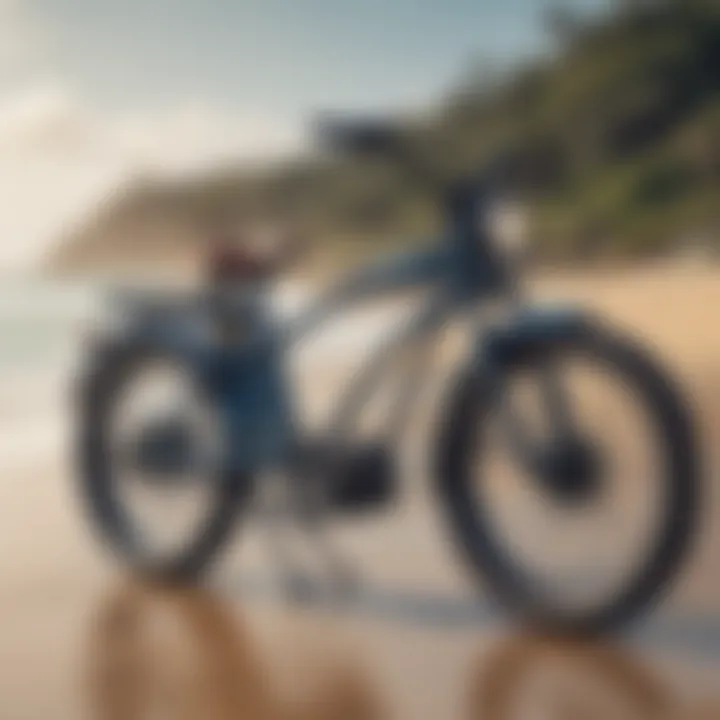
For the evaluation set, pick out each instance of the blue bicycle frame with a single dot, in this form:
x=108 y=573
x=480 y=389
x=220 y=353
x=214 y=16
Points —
x=248 y=378
x=460 y=271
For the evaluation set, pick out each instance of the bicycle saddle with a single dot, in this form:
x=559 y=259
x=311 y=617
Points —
x=252 y=253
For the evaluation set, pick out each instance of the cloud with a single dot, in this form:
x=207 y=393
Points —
x=59 y=156
x=43 y=115
x=194 y=137
x=50 y=171
x=23 y=39
x=185 y=137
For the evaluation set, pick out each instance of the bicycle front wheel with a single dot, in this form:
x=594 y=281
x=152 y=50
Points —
x=579 y=511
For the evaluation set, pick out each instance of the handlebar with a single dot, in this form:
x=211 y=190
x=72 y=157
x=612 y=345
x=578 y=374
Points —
x=380 y=139
x=383 y=140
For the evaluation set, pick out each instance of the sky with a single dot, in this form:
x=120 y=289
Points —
x=95 y=92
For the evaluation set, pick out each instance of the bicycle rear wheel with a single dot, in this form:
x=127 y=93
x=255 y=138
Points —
x=152 y=474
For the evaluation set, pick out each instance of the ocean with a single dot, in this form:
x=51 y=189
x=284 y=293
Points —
x=43 y=322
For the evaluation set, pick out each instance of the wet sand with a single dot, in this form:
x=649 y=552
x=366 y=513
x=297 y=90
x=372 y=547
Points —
x=80 y=640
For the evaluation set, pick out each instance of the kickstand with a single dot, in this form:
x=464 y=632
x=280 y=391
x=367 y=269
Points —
x=302 y=507
x=274 y=512
x=343 y=578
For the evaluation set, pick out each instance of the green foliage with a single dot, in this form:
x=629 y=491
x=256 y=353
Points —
x=619 y=127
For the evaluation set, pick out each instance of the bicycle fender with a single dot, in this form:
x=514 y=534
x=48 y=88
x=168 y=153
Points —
x=529 y=332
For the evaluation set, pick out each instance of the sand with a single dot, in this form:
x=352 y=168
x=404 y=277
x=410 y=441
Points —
x=80 y=641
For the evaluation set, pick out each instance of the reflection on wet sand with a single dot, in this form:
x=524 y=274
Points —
x=562 y=679
x=183 y=654
x=157 y=653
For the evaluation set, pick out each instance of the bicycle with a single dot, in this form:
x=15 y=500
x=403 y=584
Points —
x=236 y=375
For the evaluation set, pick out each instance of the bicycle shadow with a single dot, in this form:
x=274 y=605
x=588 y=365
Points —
x=697 y=633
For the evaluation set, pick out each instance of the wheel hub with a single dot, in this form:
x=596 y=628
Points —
x=164 y=451
x=571 y=470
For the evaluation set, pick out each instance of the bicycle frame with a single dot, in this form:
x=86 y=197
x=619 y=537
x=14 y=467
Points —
x=403 y=272
x=248 y=381
x=443 y=270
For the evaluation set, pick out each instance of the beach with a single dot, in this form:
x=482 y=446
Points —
x=417 y=642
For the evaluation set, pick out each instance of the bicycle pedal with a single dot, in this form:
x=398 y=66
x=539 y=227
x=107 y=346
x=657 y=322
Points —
x=363 y=479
